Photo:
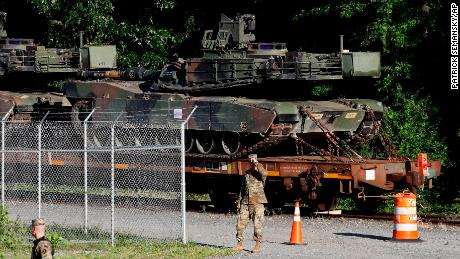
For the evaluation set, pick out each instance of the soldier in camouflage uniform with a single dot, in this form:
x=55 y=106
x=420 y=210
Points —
x=42 y=248
x=250 y=203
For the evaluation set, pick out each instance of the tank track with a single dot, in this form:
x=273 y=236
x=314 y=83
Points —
x=266 y=143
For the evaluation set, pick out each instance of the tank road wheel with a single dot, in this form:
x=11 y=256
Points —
x=205 y=142
x=189 y=141
x=231 y=143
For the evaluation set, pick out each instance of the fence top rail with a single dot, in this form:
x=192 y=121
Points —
x=101 y=149
x=97 y=114
x=135 y=123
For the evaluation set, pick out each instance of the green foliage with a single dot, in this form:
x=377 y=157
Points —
x=141 y=40
x=410 y=123
x=12 y=233
x=68 y=17
x=443 y=198
x=397 y=25
x=346 y=204
x=386 y=206
x=321 y=90
x=365 y=150
x=54 y=238
x=197 y=196
x=395 y=75
x=397 y=28
x=55 y=86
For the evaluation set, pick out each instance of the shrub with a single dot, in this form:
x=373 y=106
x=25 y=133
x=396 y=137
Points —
x=12 y=233
x=54 y=238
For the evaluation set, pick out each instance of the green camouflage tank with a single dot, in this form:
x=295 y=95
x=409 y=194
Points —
x=222 y=125
x=230 y=125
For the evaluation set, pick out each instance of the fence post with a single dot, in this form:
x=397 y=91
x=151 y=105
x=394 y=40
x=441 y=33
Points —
x=112 y=180
x=85 y=166
x=40 y=165
x=112 y=157
x=182 y=140
x=3 y=155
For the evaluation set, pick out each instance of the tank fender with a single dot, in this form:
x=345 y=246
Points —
x=66 y=102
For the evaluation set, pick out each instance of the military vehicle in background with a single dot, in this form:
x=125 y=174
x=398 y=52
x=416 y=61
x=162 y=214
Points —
x=228 y=122
x=222 y=125
x=25 y=68
x=229 y=125
x=22 y=55
x=233 y=59
x=235 y=126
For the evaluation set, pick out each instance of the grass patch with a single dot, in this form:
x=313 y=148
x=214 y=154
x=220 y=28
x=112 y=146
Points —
x=125 y=249
x=70 y=242
x=120 y=192
x=346 y=204
x=77 y=233
x=197 y=196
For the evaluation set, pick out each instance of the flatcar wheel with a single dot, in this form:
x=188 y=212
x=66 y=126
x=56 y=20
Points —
x=205 y=142
x=221 y=199
x=189 y=141
x=327 y=203
x=231 y=143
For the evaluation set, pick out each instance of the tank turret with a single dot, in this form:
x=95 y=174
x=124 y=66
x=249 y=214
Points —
x=231 y=58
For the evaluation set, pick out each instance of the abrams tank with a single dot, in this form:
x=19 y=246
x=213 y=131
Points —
x=231 y=126
x=225 y=126
x=222 y=125
x=22 y=56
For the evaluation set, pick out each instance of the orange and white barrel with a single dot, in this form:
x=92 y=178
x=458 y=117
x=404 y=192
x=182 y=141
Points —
x=405 y=217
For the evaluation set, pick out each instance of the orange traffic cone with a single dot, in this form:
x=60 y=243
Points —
x=296 y=232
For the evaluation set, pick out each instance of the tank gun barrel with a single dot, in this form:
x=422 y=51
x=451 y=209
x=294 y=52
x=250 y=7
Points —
x=131 y=74
x=114 y=74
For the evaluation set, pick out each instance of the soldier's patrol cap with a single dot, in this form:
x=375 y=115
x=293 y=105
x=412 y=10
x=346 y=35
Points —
x=252 y=156
x=38 y=222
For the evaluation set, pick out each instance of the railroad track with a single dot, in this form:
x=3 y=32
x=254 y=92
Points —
x=207 y=207
x=424 y=218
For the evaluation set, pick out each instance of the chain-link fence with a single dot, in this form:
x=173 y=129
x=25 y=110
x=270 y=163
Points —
x=98 y=176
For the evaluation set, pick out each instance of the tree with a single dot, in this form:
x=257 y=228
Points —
x=142 y=38
x=399 y=29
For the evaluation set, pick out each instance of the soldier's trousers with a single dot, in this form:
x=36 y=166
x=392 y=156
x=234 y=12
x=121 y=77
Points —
x=254 y=212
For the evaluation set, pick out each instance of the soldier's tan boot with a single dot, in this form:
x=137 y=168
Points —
x=238 y=247
x=257 y=248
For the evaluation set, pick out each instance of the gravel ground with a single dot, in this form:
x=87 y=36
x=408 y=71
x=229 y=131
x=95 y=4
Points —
x=323 y=237
x=326 y=238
